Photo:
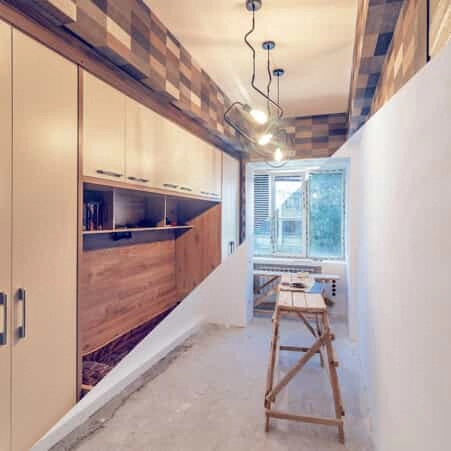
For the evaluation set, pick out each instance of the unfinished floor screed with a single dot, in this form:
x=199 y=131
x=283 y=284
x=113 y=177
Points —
x=211 y=398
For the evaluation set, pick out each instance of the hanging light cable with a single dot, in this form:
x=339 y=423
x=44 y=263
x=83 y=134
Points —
x=259 y=116
x=251 y=6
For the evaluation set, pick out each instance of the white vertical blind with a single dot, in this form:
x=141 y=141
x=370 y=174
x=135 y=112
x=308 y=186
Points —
x=262 y=199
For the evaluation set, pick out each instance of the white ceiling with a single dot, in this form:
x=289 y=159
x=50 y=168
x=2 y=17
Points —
x=314 y=45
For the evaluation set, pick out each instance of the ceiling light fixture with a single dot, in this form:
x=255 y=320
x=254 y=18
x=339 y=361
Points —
x=278 y=155
x=273 y=133
x=265 y=139
x=257 y=115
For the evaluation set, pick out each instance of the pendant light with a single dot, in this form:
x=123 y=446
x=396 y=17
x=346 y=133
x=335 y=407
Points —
x=271 y=119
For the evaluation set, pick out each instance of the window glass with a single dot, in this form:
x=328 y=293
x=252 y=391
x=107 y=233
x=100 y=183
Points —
x=299 y=216
x=326 y=194
x=289 y=215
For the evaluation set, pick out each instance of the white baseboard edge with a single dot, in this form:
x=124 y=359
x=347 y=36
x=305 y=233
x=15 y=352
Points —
x=106 y=391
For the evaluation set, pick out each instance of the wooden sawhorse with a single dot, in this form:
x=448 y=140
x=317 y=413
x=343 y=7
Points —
x=305 y=306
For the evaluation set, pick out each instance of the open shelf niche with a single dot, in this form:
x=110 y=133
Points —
x=112 y=216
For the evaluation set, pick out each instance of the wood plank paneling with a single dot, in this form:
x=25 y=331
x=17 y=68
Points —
x=121 y=288
x=198 y=251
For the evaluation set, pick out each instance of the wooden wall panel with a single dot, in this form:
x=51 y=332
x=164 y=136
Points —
x=407 y=53
x=198 y=251
x=121 y=288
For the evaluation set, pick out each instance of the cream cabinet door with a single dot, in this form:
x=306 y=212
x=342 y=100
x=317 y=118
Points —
x=142 y=128
x=210 y=172
x=103 y=129
x=216 y=174
x=5 y=236
x=230 y=205
x=171 y=158
x=195 y=163
x=44 y=243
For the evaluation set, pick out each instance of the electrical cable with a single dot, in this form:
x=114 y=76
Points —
x=268 y=88
x=246 y=36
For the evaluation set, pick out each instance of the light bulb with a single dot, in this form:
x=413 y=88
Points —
x=278 y=155
x=259 y=116
x=264 y=139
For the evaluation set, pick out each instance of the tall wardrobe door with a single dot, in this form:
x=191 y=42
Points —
x=5 y=236
x=230 y=205
x=44 y=248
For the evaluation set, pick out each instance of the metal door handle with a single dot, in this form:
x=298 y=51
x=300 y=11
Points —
x=4 y=334
x=22 y=329
x=111 y=173
x=137 y=179
x=186 y=188
x=170 y=185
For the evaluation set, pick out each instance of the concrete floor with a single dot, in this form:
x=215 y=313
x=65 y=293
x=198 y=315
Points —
x=211 y=399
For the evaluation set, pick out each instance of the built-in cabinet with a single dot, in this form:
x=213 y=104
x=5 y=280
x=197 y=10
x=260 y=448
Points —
x=38 y=194
x=230 y=205
x=160 y=188
x=125 y=141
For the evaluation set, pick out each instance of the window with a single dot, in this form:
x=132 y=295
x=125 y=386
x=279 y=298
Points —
x=299 y=214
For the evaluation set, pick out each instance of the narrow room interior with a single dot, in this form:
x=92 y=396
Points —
x=225 y=225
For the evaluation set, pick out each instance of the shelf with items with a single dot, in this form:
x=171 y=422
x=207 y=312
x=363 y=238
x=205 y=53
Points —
x=117 y=214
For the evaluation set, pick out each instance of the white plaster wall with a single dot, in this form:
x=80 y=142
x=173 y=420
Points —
x=400 y=260
x=225 y=293
x=224 y=297
x=340 y=310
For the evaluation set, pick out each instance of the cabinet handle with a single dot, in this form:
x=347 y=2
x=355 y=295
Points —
x=4 y=334
x=111 y=173
x=186 y=188
x=170 y=185
x=136 y=179
x=205 y=193
x=22 y=329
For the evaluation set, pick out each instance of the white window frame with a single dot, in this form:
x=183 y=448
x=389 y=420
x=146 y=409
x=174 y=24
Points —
x=305 y=175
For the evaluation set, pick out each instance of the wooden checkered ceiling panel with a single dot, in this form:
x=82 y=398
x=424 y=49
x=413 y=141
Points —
x=129 y=34
x=317 y=136
x=376 y=21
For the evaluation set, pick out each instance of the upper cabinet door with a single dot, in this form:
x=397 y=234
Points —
x=186 y=164
x=216 y=174
x=142 y=128
x=103 y=129
x=173 y=173
x=210 y=176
